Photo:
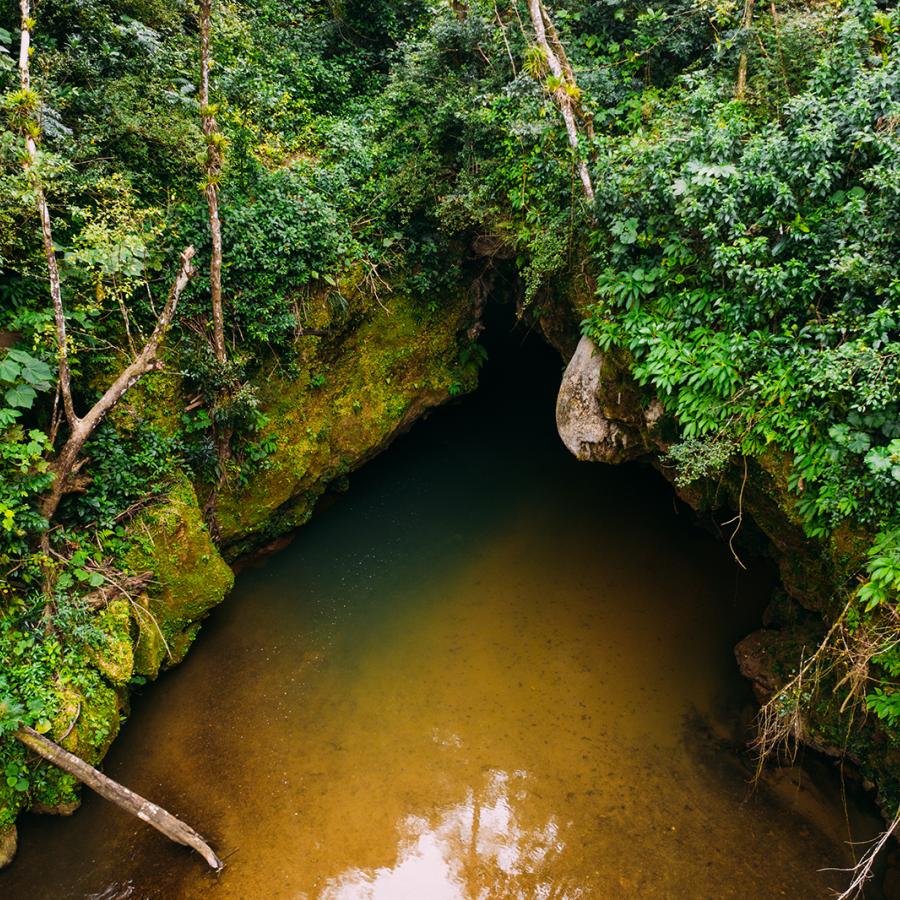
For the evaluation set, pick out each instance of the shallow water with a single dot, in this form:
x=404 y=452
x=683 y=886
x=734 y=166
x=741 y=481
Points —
x=486 y=671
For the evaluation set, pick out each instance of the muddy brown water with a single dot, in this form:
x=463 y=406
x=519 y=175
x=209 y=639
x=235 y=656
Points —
x=486 y=671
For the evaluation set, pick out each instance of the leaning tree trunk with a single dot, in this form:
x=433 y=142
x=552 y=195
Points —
x=565 y=102
x=172 y=827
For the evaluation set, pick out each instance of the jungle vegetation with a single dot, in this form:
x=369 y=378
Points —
x=725 y=176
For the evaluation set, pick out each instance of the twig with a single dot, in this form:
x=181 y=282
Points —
x=68 y=731
x=862 y=871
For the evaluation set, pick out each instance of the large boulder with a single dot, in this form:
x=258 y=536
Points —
x=600 y=414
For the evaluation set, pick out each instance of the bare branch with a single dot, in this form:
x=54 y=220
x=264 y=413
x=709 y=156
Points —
x=28 y=164
x=146 y=361
x=172 y=827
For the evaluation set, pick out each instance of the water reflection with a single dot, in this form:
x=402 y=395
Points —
x=476 y=849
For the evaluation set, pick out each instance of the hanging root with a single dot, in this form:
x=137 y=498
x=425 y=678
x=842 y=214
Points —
x=862 y=871
x=847 y=652
x=780 y=720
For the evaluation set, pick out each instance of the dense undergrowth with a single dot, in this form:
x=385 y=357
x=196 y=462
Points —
x=742 y=252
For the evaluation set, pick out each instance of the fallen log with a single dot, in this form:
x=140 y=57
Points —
x=172 y=827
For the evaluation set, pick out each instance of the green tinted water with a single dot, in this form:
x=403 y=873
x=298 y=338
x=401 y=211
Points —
x=486 y=671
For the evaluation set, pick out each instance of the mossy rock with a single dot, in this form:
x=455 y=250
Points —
x=87 y=721
x=115 y=655
x=93 y=706
x=190 y=577
x=155 y=401
x=350 y=398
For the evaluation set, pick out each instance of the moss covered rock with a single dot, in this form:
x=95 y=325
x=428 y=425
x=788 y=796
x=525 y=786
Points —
x=189 y=578
x=352 y=394
x=114 y=656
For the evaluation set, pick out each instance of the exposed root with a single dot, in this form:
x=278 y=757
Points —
x=780 y=720
x=862 y=871
x=738 y=520
x=140 y=612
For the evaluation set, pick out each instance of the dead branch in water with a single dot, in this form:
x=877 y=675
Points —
x=163 y=821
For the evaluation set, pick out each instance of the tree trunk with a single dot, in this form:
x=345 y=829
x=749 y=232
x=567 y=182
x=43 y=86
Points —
x=563 y=99
x=558 y=48
x=172 y=827
x=28 y=163
x=143 y=363
x=746 y=22
x=213 y=171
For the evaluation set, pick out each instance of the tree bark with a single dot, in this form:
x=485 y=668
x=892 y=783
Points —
x=213 y=171
x=28 y=164
x=746 y=22
x=146 y=361
x=172 y=827
x=558 y=48
x=563 y=99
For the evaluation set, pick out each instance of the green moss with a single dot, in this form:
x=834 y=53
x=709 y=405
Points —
x=89 y=711
x=190 y=577
x=155 y=400
x=379 y=376
x=115 y=655
x=87 y=721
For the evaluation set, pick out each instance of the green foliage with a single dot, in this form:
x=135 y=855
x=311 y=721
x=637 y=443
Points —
x=748 y=266
x=885 y=705
x=24 y=473
x=123 y=470
x=883 y=585
x=22 y=376
x=697 y=458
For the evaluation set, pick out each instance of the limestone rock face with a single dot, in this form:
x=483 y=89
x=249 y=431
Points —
x=8 y=843
x=592 y=410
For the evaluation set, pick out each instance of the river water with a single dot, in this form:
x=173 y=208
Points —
x=486 y=671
